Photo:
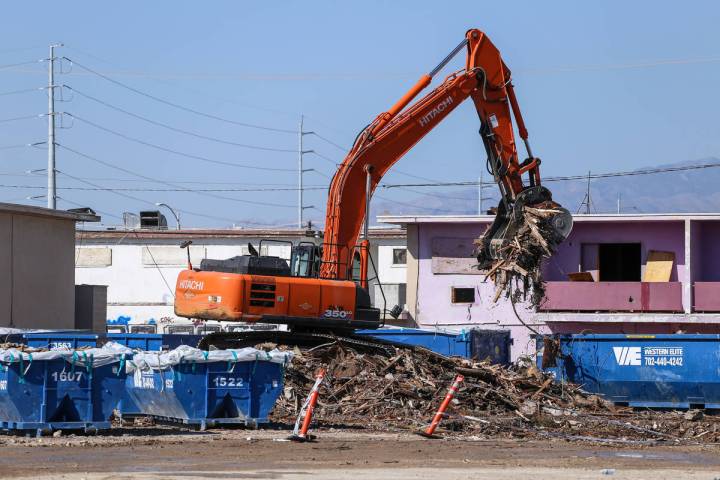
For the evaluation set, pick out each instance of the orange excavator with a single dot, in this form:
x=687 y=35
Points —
x=326 y=286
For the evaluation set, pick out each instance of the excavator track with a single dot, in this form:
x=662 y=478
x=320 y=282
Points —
x=365 y=344
x=292 y=339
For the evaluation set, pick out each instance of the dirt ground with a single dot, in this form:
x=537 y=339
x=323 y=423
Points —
x=159 y=453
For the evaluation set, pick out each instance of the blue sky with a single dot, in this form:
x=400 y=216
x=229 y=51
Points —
x=604 y=86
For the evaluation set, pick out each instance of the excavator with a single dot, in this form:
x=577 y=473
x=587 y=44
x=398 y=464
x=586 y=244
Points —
x=325 y=287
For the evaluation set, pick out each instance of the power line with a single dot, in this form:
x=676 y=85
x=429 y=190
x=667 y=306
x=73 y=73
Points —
x=177 y=152
x=318 y=172
x=339 y=147
x=186 y=212
x=221 y=197
x=170 y=127
x=11 y=65
x=178 y=106
x=141 y=200
x=8 y=147
x=328 y=159
x=189 y=182
x=26 y=117
x=15 y=92
x=21 y=49
x=190 y=190
x=412 y=205
x=631 y=173
x=106 y=214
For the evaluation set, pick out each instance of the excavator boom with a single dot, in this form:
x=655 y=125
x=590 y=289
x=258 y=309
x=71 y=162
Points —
x=485 y=79
x=316 y=288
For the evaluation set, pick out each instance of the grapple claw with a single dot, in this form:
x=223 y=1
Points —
x=551 y=225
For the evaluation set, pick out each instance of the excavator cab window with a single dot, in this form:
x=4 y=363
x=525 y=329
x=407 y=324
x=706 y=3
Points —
x=356 y=267
x=305 y=260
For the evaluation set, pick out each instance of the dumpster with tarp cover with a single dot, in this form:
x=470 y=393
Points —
x=492 y=345
x=206 y=388
x=42 y=391
x=148 y=342
x=656 y=371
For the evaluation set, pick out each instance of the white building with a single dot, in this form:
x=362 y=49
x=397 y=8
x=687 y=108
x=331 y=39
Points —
x=140 y=266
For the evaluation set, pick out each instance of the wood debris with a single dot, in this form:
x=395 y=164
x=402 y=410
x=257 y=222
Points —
x=518 y=276
x=401 y=392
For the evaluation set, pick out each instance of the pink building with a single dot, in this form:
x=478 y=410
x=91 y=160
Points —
x=444 y=289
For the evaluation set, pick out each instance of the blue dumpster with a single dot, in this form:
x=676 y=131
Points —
x=205 y=389
x=442 y=342
x=154 y=341
x=475 y=343
x=656 y=371
x=148 y=342
x=68 y=390
x=66 y=340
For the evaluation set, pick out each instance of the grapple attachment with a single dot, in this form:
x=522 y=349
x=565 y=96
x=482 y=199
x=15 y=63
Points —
x=534 y=226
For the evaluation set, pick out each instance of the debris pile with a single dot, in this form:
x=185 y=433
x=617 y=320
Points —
x=402 y=390
x=519 y=273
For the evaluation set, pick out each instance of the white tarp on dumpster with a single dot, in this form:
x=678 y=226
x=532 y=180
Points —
x=186 y=354
x=109 y=353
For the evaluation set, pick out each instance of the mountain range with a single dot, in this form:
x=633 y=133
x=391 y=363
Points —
x=686 y=191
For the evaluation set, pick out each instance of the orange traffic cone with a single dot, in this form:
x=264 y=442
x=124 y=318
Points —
x=306 y=412
x=428 y=432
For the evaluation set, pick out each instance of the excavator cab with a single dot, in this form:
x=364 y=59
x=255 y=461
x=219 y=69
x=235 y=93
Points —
x=305 y=260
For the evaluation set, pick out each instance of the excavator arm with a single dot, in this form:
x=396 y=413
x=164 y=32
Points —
x=485 y=79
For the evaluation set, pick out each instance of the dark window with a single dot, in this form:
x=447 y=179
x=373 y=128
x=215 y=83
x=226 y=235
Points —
x=619 y=262
x=463 y=295
x=399 y=256
x=356 y=267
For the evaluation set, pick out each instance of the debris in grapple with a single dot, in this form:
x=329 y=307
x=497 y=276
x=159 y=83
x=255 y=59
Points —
x=518 y=271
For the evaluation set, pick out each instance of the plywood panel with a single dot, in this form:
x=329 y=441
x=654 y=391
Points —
x=461 y=266
x=659 y=266
x=580 y=277
x=93 y=257
x=454 y=255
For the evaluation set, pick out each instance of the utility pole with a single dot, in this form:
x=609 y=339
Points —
x=51 y=191
x=587 y=199
x=301 y=152
x=480 y=193
x=587 y=207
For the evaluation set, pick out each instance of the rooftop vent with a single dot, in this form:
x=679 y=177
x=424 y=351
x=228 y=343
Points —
x=153 y=220
x=131 y=221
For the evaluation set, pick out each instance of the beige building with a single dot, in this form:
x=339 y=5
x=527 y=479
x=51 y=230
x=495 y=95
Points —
x=37 y=266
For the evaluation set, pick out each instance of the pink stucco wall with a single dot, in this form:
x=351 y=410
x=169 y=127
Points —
x=613 y=297
x=664 y=236
x=434 y=306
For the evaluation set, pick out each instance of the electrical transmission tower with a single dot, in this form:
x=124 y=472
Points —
x=301 y=171
x=587 y=200
x=51 y=190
